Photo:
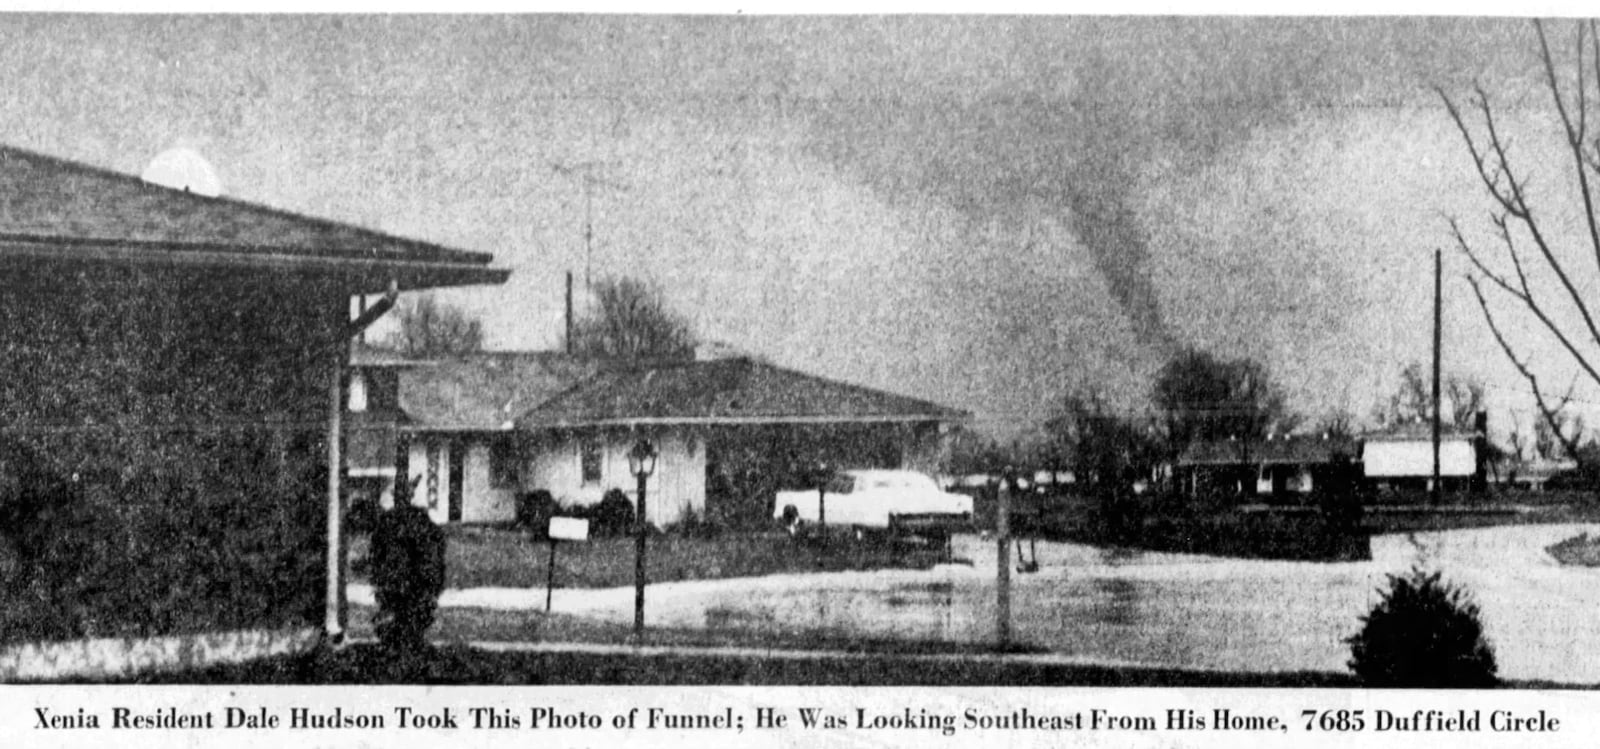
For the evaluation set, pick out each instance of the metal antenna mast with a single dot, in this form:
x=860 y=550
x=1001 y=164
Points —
x=584 y=173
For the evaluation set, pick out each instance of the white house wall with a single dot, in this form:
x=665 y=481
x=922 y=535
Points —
x=1415 y=459
x=677 y=486
x=481 y=502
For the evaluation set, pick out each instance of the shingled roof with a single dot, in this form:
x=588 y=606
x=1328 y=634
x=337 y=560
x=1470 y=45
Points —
x=53 y=209
x=486 y=391
x=726 y=391
x=1283 y=450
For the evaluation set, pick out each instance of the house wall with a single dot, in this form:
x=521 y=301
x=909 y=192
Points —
x=481 y=501
x=677 y=486
x=924 y=448
x=484 y=502
x=164 y=451
x=1414 y=458
x=428 y=467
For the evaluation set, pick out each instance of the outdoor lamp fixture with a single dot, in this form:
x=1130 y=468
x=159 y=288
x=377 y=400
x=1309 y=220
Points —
x=641 y=463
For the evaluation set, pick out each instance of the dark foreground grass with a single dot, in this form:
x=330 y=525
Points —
x=492 y=557
x=1578 y=551
x=372 y=664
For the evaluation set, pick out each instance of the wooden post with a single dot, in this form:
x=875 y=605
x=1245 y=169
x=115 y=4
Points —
x=333 y=625
x=550 y=577
x=1002 y=532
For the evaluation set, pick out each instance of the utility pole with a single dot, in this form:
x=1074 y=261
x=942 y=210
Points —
x=570 y=346
x=1002 y=544
x=1438 y=291
x=584 y=172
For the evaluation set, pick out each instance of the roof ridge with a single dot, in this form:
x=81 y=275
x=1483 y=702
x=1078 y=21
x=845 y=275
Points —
x=854 y=386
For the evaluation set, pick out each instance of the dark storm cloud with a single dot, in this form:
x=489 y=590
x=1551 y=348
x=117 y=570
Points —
x=1067 y=113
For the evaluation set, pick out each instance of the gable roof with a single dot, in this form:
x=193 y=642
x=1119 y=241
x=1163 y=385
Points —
x=1284 y=450
x=485 y=391
x=58 y=210
x=725 y=391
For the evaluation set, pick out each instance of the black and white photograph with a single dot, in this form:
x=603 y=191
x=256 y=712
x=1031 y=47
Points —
x=735 y=350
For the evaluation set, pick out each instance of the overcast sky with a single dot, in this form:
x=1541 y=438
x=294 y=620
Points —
x=986 y=212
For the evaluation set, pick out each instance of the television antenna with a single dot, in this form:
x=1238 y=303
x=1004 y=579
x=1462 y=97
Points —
x=584 y=173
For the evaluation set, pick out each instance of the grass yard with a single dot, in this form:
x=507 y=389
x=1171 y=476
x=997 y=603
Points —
x=493 y=557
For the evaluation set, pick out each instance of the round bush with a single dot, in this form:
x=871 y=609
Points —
x=407 y=575
x=614 y=515
x=1424 y=633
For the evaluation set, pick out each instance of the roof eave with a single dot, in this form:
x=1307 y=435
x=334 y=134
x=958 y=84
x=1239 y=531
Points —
x=733 y=421
x=366 y=272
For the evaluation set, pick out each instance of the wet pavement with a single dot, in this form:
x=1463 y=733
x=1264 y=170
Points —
x=1155 y=609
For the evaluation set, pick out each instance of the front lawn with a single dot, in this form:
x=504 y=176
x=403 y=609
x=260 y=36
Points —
x=493 y=557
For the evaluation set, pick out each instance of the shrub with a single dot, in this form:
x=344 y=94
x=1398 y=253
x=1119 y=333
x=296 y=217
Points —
x=695 y=524
x=534 y=510
x=362 y=515
x=613 y=516
x=407 y=575
x=1424 y=633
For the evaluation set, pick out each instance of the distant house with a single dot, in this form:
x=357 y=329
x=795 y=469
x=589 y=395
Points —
x=173 y=388
x=1277 y=467
x=729 y=433
x=458 y=437
x=1536 y=474
x=1401 y=458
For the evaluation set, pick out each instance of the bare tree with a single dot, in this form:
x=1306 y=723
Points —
x=1106 y=449
x=1209 y=398
x=631 y=319
x=1413 y=399
x=1518 y=440
x=430 y=328
x=1337 y=424
x=1531 y=242
x=1550 y=441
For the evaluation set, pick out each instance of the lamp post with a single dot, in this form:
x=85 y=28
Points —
x=641 y=463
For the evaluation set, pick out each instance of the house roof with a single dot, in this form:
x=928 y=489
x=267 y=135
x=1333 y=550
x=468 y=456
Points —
x=485 y=391
x=57 y=210
x=1292 y=449
x=724 y=391
x=1418 y=432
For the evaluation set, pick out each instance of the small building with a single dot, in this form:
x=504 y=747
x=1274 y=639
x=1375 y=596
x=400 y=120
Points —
x=729 y=433
x=1285 y=467
x=1401 y=458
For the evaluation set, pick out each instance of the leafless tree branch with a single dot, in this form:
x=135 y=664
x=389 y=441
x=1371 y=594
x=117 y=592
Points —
x=1551 y=415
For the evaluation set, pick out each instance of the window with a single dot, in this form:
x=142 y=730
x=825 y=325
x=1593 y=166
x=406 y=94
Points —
x=358 y=393
x=589 y=459
x=503 y=464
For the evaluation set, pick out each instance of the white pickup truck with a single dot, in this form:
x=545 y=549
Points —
x=875 y=500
